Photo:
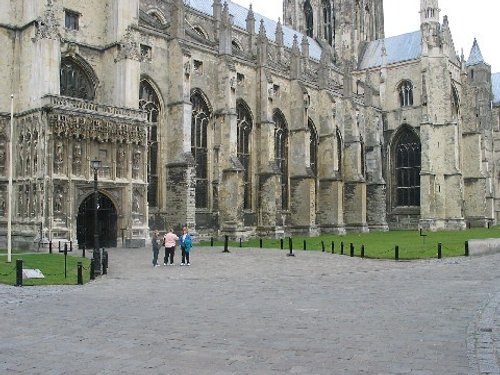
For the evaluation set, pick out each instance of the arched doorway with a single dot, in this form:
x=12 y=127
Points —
x=106 y=216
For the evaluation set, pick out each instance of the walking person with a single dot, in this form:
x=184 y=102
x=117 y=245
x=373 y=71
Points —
x=156 y=247
x=186 y=243
x=169 y=239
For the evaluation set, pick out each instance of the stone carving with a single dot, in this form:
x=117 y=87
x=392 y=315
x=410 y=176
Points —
x=77 y=158
x=47 y=27
x=58 y=200
x=59 y=157
x=121 y=165
x=136 y=163
x=2 y=156
x=129 y=48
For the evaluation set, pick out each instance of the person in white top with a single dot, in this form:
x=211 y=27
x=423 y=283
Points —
x=169 y=242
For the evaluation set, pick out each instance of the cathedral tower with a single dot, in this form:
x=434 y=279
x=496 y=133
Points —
x=343 y=25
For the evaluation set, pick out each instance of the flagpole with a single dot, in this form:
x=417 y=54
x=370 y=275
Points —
x=9 y=192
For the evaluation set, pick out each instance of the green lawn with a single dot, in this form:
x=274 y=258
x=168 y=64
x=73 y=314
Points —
x=380 y=245
x=51 y=265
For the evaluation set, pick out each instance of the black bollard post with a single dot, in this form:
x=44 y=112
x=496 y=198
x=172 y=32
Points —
x=305 y=245
x=92 y=272
x=362 y=251
x=290 y=245
x=396 y=252
x=351 y=249
x=333 y=247
x=50 y=247
x=19 y=272
x=466 y=248
x=65 y=260
x=79 y=273
x=260 y=242
x=489 y=225
x=59 y=247
x=439 y=250
x=281 y=243
x=212 y=241
x=240 y=243
x=342 y=248
x=70 y=246
x=226 y=244
x=323 y=246
x=83 y=251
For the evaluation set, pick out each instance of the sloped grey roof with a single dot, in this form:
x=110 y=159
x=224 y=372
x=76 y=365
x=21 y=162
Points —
x=399 y=48
x=475 y=56
x=240 y=13
x=495 y=86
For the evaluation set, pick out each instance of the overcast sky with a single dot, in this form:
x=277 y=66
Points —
x=468 y=20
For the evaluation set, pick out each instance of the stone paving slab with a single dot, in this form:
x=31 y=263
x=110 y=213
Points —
x=258 y=311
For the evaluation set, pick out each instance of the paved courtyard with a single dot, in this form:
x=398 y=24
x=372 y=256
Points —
x=259 y=312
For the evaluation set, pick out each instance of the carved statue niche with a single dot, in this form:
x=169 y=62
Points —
x=77 y=158
x=58 y=157
x=121 y=165
x=2 y=157
x=58 y=201
x=136 y=163
x=3 y=203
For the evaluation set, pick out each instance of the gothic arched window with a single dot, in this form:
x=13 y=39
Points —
x=199 y=147
x=244 y=120
x=407 y=157
x=281 y=154
x=313 y=147
x=149 y=102
x=328 y=23
x=455 y=102
x=75 y=82
x=309 y=16
x=406 y=94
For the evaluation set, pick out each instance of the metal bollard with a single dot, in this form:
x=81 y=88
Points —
x=333 y=247
x=50 y=247
x=59 y=248
x=70 y=246
x=323 y=246
x=79 y=273
x=439 y=250
x=351 y=249
x=281 y=243
x=19 y=272
x=240 y=243
x=362 y=251
x=466 y=248
x=92 y=269
x=396 y=252
x=260 y=242
x=226 y=244
x=290 y=245
x=83 y=251
x=342 y=248
x=104 y=262
x=211 y=241
x=305 y=245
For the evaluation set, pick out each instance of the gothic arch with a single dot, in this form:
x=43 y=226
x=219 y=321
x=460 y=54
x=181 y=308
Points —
x=244 y=148
x=150 y=101
x=455 y=102
x=309 y=19
x=313 y=146
x=201 y=114
x=405 y=167
x=158 y=15
x=281 y=154
x=340 y=149
x=77 y=78
x=404 y=91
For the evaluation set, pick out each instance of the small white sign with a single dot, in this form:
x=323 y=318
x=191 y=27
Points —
x=30 y=273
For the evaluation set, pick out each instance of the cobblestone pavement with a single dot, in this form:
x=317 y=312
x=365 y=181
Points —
x=259 y=312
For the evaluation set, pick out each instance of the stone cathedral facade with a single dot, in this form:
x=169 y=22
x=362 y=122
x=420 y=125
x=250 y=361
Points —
x=205 y=113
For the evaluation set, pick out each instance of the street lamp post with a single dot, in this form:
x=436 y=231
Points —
x=96 y=165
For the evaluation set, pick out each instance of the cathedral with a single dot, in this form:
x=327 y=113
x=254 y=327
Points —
x=122 y=116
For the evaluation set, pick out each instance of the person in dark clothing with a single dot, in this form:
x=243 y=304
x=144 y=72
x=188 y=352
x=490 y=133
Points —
x=156 y=247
